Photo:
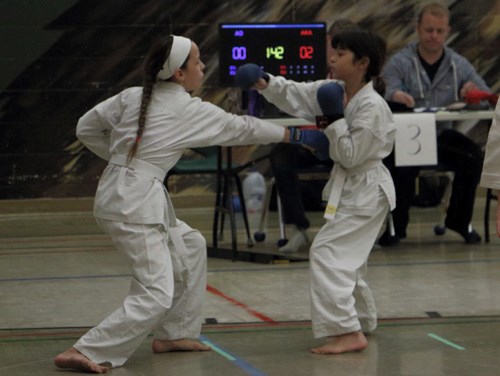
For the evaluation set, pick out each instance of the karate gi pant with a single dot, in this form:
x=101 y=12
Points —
x=166 y=291
x=341 y=301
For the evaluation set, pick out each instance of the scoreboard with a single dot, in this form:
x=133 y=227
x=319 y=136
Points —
x=295 y=51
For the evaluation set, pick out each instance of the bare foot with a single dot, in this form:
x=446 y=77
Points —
x=355 y=341
x=74 y=359
x=184 y=344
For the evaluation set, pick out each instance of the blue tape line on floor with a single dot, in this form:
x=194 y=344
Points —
x=247 y=368
x=445 y=341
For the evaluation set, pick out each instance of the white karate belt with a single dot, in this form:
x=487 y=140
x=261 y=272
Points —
x=155 y=173
x=339 y=175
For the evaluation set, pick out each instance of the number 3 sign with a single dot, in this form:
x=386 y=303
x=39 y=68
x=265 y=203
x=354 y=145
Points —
x=415 y=140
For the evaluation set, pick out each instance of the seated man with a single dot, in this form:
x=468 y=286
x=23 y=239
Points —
x=428 y=74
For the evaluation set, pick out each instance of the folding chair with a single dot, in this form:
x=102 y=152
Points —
x=213 y=161
x=315 y=172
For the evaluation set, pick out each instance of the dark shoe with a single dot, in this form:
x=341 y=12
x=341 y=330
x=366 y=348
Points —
x=387 y=240
x=471 y=237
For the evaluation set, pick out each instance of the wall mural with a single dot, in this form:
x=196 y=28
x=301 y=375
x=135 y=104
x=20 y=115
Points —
x=91 y=49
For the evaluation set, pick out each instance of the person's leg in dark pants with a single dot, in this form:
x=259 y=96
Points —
x=286 y=160
x=404 y=183
x=465 y=158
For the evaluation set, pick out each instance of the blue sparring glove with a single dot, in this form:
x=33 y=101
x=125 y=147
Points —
x=330 y=98
x=314 y=139
x=248 y=74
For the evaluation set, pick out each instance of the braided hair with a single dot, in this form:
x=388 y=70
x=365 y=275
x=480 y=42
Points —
x=153 y=63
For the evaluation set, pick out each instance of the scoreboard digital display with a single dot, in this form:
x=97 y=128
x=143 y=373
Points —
x=295 y=51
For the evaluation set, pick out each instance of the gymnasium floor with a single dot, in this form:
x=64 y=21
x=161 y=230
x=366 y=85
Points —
x=437 y=299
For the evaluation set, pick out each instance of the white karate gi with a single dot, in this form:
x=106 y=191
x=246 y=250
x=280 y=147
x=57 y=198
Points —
x=168 y=258
x=341 y=300
x=490 y=177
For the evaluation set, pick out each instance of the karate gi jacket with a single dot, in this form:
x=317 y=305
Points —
x=490 y=177
x=358 y=142
x=175 y=122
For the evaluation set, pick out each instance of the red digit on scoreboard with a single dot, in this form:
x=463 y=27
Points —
x=306 y=52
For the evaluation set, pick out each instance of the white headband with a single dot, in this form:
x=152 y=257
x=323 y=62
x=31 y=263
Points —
x=179 y=52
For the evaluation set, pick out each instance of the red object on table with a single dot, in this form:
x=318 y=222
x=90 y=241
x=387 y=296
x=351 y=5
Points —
x=476 y=96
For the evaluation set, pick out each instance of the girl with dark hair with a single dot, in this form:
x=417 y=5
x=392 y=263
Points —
x=360 y=192
x=143 y=132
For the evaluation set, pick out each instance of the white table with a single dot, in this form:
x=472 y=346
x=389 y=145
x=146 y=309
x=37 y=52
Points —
x=440 y=116
x=416 y=143
x=464 y=115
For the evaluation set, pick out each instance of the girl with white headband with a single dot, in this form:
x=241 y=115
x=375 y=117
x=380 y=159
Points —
x=143 y=132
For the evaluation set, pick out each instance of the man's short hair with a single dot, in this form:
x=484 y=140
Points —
x=434 y=8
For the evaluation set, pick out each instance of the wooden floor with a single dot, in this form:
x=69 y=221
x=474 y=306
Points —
x=437 y=299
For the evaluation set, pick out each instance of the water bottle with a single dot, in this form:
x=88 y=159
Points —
x=254 y=191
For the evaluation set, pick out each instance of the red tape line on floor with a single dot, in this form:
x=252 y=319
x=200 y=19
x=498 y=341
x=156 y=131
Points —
x=259 y=315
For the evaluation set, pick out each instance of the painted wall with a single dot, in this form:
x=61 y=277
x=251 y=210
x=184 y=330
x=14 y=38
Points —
x=60 y=57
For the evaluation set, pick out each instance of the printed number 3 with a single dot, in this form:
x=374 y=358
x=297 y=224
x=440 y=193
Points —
x=414 y=133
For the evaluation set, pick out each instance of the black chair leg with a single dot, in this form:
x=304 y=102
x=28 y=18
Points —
x=489 y=196
x=281 y=218
x=226 y=195
x=224 y=199
x=239 y=187
x=232 y=219
x=224 y=205
x=219 y=200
